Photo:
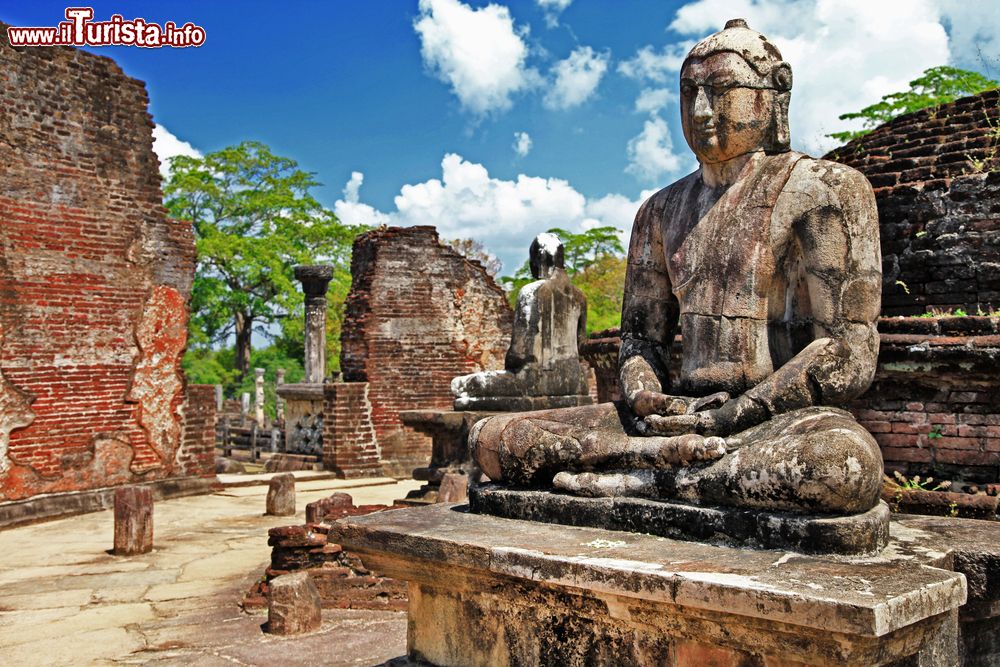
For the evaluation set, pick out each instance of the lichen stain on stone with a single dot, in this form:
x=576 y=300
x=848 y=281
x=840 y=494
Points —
x=157 y=385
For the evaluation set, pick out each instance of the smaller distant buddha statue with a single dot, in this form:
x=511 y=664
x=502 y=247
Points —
x=542 y=366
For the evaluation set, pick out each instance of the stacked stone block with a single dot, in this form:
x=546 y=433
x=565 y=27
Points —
x=197 y=452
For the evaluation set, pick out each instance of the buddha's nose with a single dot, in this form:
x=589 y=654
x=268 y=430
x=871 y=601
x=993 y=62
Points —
x=702 y=107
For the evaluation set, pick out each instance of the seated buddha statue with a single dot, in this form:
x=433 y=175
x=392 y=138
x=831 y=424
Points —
x=768 y=263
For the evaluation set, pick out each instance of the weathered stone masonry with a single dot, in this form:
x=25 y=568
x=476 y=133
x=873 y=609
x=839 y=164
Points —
x=94 y=282
x=418 y=314
x=938 y=193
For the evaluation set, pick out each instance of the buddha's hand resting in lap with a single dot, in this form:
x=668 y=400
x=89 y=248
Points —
x=703 y=418
x=648 y=403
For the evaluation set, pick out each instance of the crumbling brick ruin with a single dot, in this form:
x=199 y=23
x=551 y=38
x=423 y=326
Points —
x=94 y=283
x=935 y=404
x=937 y=185
x=418 y=314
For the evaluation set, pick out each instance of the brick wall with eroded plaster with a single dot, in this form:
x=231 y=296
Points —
x=94 y=283
x=418 y=314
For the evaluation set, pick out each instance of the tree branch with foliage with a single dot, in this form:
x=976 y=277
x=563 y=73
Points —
x=254 y=219
x=937 y=86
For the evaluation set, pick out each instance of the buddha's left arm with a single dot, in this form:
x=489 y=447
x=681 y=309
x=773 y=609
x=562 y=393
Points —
x=834 y=221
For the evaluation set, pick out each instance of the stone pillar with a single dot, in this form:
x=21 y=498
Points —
x=133 y=520
x=315 y=279
x=219 y=398
x=279 y=402
x=244 y=407
x=258 y=396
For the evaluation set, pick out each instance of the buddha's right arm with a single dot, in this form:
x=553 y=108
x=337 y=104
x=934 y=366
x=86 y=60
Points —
x=649 y=318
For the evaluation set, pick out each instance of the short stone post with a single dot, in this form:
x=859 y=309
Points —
x=279 y=402
x=133 y=520
x=454 y=488
x=219 y=398
x=281 y=495
x=293 y=605
x=258 y=396
x=315 y=279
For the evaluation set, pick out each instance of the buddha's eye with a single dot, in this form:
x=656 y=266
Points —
x=688 y=89
x=721 y=88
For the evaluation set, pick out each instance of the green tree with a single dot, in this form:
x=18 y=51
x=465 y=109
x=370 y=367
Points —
x=254 y=218
x=473 y=249
x=595 y=264
x=937 y=86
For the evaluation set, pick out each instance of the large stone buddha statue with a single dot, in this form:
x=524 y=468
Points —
x=768 y=262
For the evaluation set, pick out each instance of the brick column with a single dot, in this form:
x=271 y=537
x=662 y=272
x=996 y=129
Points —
x=350 y=448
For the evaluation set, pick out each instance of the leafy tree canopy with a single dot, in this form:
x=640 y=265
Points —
x=474 y=249
x=254 y=219
x=937 y=86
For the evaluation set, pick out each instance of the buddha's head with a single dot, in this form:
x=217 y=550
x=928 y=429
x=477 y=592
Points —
x=735 y=90
x=546 y=255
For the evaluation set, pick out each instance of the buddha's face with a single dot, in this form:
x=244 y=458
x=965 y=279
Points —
x=727 y=109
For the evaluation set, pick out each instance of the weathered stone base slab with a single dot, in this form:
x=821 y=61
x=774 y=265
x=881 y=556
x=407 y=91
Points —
x=521 y=403
x=487 y=591
x=866 y=533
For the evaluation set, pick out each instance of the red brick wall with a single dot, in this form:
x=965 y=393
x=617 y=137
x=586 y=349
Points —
x=94 y=280
x=418 y=314
x=350 y=448
x=936 y=180
x=935 y=404
x=197 y=452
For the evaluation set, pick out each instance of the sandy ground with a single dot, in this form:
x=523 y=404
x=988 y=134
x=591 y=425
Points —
x=65 y=600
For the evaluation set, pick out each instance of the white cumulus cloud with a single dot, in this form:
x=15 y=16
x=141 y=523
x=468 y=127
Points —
x=166 y=145
x=522 y=143
x=652 y=100
x=552 y=9
x=504 y=215
x=576 y=78
x=351 y=211
x=656 y=66
x=651 y=153
x=480 y=53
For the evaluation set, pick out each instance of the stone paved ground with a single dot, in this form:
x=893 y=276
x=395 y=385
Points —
x=64 y=600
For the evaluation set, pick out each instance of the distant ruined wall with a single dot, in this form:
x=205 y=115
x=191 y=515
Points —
x=937 y=185
x=418 y=314
x=94 y=281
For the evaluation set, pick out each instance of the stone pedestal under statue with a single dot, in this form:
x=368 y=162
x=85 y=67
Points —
x=487 y=591
x=449 y=433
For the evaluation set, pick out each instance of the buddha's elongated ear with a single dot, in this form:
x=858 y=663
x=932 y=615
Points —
x=781 y=78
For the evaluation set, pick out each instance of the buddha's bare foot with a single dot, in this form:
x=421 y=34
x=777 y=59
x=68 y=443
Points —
x=668 y=452
x=636 y=483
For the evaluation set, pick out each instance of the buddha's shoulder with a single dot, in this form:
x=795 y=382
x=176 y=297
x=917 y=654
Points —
x=671 y=195
x=826 y=182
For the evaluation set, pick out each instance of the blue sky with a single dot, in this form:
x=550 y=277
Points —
x=411 y=112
